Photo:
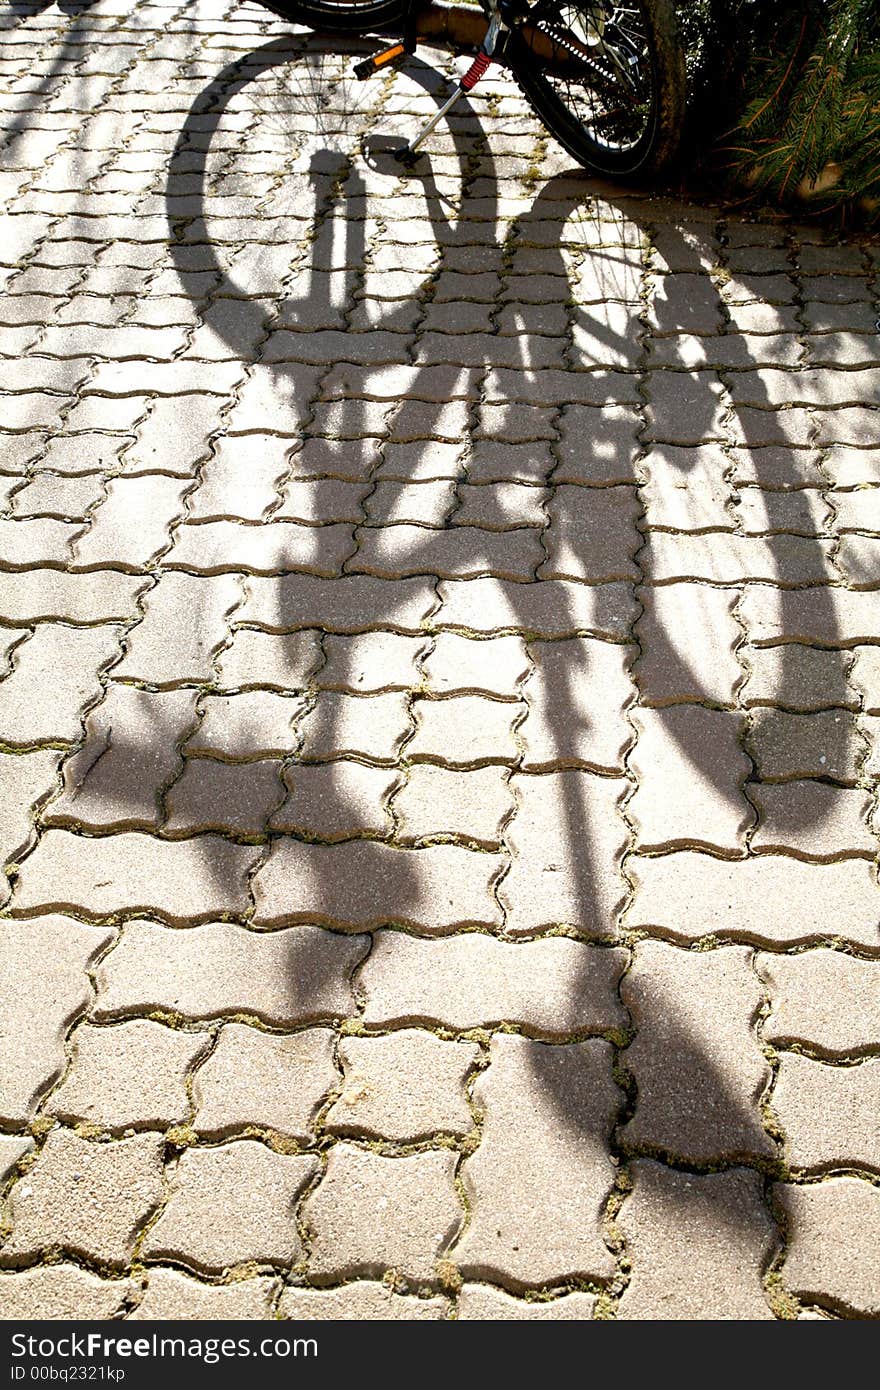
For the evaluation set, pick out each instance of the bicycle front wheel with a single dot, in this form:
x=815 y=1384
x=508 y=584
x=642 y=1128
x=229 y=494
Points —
x=607 y=80
x=341 y=16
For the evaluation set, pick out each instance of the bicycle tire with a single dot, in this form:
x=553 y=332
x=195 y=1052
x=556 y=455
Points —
x=661 y=73
x=341 y=16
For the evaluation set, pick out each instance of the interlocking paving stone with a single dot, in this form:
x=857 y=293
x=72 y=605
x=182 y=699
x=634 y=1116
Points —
x=171 y=1294
x=567 y=839
x=361 y=884
x=25 y=780
x=778 y=468
x=336 y=801
x=802 y=512
x=355 y=603
x=340 y=725
x=798 y=678
x=834 y=1227
x=687 y=489
x=182 y=880
x=54 y=676
x=406 y=1213
x=813 y=819
x=274 y=547
x=592 y=535
x=53 y=494
x=829 y=1113
x=482 y=1303
x=474 y=804
x=132 y=526
x=40 y=595
x=724 y=558
x=823 y=999
x=229 y=797
x=545 y=609
x=129 y=1075
x=362 y=1300
x=698 y=1245
x=45 y=963
x=87 y=1198
x=570 y=681
x=12 y=1148
x=283 y=978
x=30 y=542
x=283 y=661
x=832 y=618
x=685 y=408
x=254 y=724
x=688 y=638
x=689 y=895
x=689 y=769
x=255 y=1189
x=550 y=988
x=464 y=731
x=494 y=666
x=548 y=1113
x=260 y=1079
x=390 y=552
x=130 y=751
x=405 y=1087
x=826 y=743
x=184 y=624
x=696 y=1059
x=59 y=1292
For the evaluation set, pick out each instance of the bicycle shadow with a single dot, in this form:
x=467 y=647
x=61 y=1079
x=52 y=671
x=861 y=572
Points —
x=339 y=431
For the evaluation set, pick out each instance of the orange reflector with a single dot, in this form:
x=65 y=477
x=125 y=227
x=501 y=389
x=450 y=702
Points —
x=389 y=55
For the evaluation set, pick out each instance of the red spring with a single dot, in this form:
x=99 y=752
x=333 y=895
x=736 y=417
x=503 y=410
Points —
x=475 y=71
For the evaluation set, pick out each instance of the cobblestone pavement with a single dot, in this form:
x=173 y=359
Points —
x=440 y=708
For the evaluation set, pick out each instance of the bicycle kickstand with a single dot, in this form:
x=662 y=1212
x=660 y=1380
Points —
x=409 y=153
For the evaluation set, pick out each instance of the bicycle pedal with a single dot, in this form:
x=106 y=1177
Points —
x=389 y=58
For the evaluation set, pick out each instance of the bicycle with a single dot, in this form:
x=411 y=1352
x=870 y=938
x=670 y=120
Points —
x=607 y=80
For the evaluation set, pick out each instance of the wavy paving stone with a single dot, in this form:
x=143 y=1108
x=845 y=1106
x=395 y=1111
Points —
x=185 y=622
x=55 y=674
x=464 y=731
x=360 y=884
x=12 y=1149
x=570 y=683
x=89 y=1199
x=336 y=801
x=184 y=880
x=484 y=1303
x=829 y=1113
x=283 y=978
x=813 y=820
x=392 y=552
x=131 y=1075
x=406 y=1212
x=253 y=724
x=462 y=665
x=688 y=638
x=405 y=1087
x=688 y=895
x=44 y=963
x=60 y=1292
x=550 y=988
x=282 y=661
x=698 y=1245
x=823 y=999
x=362 y=1300
x=26 y=780
x=696 y=1058
x=798 y=678
x=341 y=725
x=834 y=618
x=546 y=609
x=274 y=547
x=724 y=558
x=355 y=603
x=567 y=840
x=592 y=535
x=233 y=798
x=240 y=481
x=170 y=1294
x=833 y=1230
x=548 y=1113
x=473 y=804
x=266 y=1081
x=256 y=1189
x=826 y=744
x=45 y=594
x=689 y=770
x=130 y=751
x=131 y=527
